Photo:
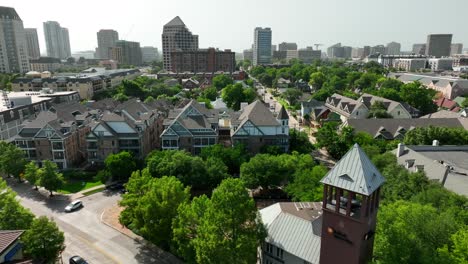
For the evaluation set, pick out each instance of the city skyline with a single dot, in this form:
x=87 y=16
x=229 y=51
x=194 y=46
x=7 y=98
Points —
x=338 y=21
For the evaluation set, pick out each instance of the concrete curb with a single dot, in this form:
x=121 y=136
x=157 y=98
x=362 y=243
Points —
x=142 y=241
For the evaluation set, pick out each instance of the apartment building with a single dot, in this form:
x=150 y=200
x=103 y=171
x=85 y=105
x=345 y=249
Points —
x=57 y=40
x=194 y=127
x=176 y=36
x=13 y=45
x=410 y=65
x=203 y=60
x=42 y=64
x=283 y=46
x=309 y=55
x=132 y=126
x=262 y=46
x=106 y=39
x=131 y=52
x=438 y=45
x=32 y=40
x=57 y=135
x=440 y=64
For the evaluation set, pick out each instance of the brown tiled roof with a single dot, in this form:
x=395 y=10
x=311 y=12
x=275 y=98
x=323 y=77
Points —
x=8 y=237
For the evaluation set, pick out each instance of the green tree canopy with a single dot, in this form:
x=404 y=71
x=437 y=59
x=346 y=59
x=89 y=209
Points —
x=210 y=93
x=221 y=81
x=230 y=230
x=317 y=79
x=378 y=110
x=234 y=95
x=306 y=186
x=31 y=173
x=12 y=160
x=13 y=216
x=299 y=141
x=445 y=136
x=49 y=177
x=292 y=95
x=156 y=208
x=44 y=241
x=416 y=95
x=233 y=157
x=120 y=165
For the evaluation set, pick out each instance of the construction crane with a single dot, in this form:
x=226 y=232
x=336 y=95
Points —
x=317 y=46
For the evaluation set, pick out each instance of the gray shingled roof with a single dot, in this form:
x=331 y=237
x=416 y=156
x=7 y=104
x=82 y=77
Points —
x=355 y=172
x=258 y=114
x=8 y=237
x=176 y=21
x=394 y=127
x=283 y=114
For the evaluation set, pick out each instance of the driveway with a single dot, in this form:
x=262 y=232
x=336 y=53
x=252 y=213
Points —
x=85 y=235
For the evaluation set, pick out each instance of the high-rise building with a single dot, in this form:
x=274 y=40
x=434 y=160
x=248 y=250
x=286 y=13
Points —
x=347 y=52
x=438 y=45
x=106 y=39
x=203 y=60
x=419 y=49
x=149 y=54
x=248 y=54
x=32 y=40
x=273 y=49
x=262 y=46
x=13 y=45
x=393 y=48
x=335 y=51
x=308 y=55
x=131 y=52
x=456 y=48
x=377 y=49
x=57 y=40
x=366 y=51
x=287 y=46
x=357 y=53
x=176 y=36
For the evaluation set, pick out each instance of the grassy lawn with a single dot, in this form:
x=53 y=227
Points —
x=74 y=186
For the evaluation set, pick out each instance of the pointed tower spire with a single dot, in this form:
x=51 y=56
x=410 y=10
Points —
x=355 y=172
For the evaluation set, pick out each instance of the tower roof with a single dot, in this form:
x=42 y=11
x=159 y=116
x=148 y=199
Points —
x=283 y=114
x=176 y=21
x=9 y=12
x=355 y=172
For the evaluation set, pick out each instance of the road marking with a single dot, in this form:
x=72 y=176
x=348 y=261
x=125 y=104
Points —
x=99 y=249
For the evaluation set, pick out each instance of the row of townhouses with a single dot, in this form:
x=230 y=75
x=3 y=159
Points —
x=73 y=134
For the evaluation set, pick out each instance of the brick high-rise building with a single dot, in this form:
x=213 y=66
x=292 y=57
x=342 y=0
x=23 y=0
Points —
x=57 y=40
x=13 y=46
x=287 y=46
x=438 y=45
x=176 y=36
x=203 y=60
x=32 y=40
x=131 y=52
x=106 y=39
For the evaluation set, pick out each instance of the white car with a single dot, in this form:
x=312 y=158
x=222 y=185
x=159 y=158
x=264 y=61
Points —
x=73 y=206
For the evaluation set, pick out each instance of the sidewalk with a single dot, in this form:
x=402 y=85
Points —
x=110 y=217
x=81 y=194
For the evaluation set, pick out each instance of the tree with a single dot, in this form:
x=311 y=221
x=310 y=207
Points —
x=120 y=165
x=416 y=95
x=210 y=93
x=149 y=99
x=216 y=170
x=233 y=157
x=292 y=95
x=262 y=170
x=132 y=89
x=49 y=177
x=306 y=185
x=411 y=233
x=13 y=216
x=378 y=110
x=299 y=141
x=458 y=253
x=231 y=230
x=185 y=227
x=44 y=241
x=155 y=208
x=446 y=136
x=234 y=95
x=31 y=173
x=12 y=160
x=221 y=81
x=465 y=102
x=317 y=79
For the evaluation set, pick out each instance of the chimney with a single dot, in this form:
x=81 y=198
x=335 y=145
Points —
x=243 y=104
x=435 y=142
x=400 y=150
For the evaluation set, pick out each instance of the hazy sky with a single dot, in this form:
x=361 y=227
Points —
x=230 y=24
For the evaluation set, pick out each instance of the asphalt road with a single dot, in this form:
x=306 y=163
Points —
x=85 y=235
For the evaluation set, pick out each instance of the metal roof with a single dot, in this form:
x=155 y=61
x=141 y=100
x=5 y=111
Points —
x=355 y=172
x=290 y=229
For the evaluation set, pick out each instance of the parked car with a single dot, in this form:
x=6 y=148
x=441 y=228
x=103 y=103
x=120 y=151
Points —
x=73 y=206
x=77 y=260
x=115 y=186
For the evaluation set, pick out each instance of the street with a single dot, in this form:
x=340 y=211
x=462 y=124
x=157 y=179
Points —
x=85 y=234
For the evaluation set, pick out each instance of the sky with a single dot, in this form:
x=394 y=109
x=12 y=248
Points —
x=230 y=24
